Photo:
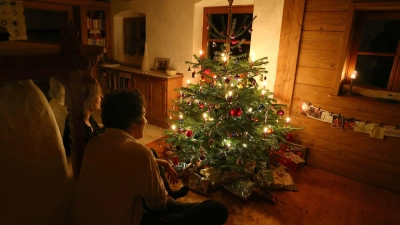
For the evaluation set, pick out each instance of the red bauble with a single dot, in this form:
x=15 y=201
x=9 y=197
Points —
x=202 y=157
x=189 y=133
x=280 y=112
x=180 y=130
x=227 y=80
x=206 y=71
x=232 y=112
x=238 y=111
x=201 y=105
x=289 y=137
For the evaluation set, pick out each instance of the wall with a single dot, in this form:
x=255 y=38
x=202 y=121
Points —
x=311 y=59
x=174 y=29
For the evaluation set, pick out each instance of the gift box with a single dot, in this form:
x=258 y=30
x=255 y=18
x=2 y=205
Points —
x=297 y=149
x=286 y=158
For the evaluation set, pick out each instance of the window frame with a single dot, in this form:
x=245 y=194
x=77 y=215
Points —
x=394 y=79
x=348 y=38
x=237 y=9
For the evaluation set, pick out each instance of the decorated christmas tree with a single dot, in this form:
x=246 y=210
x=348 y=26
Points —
x=229 y=120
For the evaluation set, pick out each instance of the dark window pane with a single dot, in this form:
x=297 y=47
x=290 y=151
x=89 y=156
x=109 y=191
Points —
x=220 y=22
x=239 y=22
x=373 y=71
x=380 y=36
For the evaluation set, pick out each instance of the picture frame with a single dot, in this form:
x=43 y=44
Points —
x=161 y=64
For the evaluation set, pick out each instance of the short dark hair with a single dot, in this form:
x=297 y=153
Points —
x=122 y=108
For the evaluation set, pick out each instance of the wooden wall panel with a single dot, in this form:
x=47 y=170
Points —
x=327 y=5
x=355 y=155
x=325 y=21
x=319 y=59
x=316 y=76
x=321 y=40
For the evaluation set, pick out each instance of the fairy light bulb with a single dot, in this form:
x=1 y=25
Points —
x=250 y=109
x=180 y=116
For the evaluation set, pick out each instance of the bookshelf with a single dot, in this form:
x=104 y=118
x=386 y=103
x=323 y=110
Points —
x=95 y=24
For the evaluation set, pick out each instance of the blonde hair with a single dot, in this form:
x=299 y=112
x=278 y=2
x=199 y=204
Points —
x=91 y=92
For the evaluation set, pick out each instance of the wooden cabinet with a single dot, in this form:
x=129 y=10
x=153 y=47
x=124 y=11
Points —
x=157 y=87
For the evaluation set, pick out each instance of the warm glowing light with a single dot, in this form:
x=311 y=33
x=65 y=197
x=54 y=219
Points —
x=250 y=109
x=263 y=92
x=244 y=145
x=204 y=115
x=201 y=52
x=287 y=120
x=265 y=83
x=180 y=116
x=229 y=145
x=354 y=75
x=224 y=59
x=188 y=82
x=265 y=129
x=230 y=93
x=173 y=127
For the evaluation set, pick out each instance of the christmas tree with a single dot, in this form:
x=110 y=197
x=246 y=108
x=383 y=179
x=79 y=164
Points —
x=227 y=120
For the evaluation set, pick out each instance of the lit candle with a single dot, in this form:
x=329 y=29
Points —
x=352 y=77
x=287 y=121
x=265 y=131
x=204 y=118
x=262 y=93
x=180 y=116
x=173 y=128
x=265 y=83
x=201 y=54
x=188 y=82
x=250 y=109
x=224 y=58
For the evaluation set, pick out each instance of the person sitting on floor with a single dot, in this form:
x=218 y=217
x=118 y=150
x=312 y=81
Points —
x=57 y=103
x=119 y=180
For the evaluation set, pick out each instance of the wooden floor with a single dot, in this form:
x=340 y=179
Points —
x=323 y=198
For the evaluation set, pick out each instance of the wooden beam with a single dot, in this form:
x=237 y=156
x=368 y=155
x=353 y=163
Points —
x=292 y=21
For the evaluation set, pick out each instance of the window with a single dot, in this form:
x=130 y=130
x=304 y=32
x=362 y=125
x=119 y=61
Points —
x=376 y=50
x=134 y=35
x=219 y=17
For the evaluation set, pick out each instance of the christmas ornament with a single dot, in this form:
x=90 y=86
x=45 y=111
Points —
x=189 y=69
x=289 y=137
x=233 y=42
x=238 y=111
x=201 y=105
x=189 y=102
x=227 y=80
x=202 y=157
x=250 y=30
x=206 y=71
x=214 y=44
x=180 y=130
x=237 y=76
x=194 y=74
x=189 y=133
x=280 y=112
x=232 y=112
x=233 y=36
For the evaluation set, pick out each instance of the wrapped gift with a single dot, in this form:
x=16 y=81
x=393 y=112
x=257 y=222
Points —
x=287 y=158
x=297 y=149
